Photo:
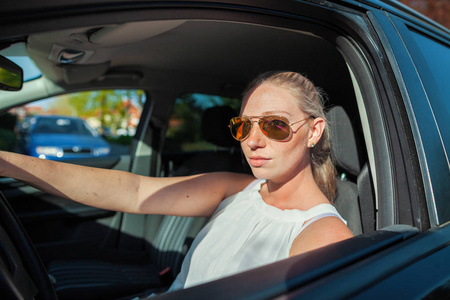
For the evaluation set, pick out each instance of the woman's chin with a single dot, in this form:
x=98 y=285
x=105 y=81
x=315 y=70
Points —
x=260 y=173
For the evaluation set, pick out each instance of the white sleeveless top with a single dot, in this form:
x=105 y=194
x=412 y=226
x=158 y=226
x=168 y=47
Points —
x=244 y=233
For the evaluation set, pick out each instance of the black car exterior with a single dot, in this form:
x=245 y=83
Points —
x=398 y=66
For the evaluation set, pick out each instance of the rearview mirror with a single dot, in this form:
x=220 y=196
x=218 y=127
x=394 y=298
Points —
x=11 y=75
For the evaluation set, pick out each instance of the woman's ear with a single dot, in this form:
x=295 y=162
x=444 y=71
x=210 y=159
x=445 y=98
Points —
x=316 y=130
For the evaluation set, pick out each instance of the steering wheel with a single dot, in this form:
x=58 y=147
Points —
x=23 y=275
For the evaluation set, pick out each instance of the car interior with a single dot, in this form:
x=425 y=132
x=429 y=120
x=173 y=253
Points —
x=94 y=254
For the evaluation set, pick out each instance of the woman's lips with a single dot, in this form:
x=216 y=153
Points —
x=257 y=161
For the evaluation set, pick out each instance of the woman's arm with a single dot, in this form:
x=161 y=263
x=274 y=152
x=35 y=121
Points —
x=196 y=195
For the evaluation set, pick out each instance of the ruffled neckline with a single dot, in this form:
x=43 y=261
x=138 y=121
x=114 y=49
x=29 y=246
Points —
x=286 y=214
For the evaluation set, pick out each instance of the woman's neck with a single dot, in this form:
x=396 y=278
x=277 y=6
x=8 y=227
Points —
x=300 y=192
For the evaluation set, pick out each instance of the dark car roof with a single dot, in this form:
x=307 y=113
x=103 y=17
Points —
x=25 y=6
x=172 y=58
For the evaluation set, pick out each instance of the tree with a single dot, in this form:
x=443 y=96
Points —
x=109 y=106
x=437 y=10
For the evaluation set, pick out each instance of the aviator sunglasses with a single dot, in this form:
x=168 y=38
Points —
x=276 y=128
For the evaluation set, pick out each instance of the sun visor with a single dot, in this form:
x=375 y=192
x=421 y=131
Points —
x=74 y=74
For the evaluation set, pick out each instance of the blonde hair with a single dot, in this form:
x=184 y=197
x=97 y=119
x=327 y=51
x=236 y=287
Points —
x=311 y=102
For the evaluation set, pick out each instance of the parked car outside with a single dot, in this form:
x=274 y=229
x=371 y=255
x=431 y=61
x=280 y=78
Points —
x=61 y=137
x=385 y=70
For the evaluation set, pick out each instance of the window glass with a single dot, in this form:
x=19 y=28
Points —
x=433 y=65
x=432 y=60
x=184 y=132
x=78 y=125
x=186 y=148
x=437 y=57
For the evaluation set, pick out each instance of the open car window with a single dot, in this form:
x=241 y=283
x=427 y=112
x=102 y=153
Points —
x=81 y=125
x=197 y=129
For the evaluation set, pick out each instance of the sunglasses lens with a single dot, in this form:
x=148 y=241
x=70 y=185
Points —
x=276 y=128
x=240 y=128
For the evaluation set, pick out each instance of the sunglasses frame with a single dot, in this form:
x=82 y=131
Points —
x=260 y=122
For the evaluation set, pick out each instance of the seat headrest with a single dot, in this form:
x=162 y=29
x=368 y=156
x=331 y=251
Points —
x=344 y=142
x=215 y=129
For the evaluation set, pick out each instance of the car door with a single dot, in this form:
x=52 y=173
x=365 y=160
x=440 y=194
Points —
x=91 y=128
x=419 y=57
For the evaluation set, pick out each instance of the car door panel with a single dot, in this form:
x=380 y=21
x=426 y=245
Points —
x=416 y=100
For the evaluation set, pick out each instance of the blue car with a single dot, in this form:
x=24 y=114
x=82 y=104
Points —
x=61 y=137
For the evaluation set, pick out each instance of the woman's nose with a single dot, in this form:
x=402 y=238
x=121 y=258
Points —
x=256 y=137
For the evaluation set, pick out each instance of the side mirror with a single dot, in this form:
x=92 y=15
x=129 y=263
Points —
x=11 y=75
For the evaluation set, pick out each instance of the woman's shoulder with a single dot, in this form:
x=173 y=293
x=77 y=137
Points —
x=323 y=232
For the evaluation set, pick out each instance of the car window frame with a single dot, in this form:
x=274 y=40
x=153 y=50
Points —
x=434 y=133
x=414 y=99
x=396 y=201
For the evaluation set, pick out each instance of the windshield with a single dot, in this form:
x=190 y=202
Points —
x=18 y=54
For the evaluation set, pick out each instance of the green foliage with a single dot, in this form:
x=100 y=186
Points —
x=185 y=121
x=184 y=131
x=8 y=138
x=234 y=103
x=110 y=107
x=107 y=105
x=121 y=140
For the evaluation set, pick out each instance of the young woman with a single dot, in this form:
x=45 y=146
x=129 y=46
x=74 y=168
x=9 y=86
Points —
x=281 y=211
